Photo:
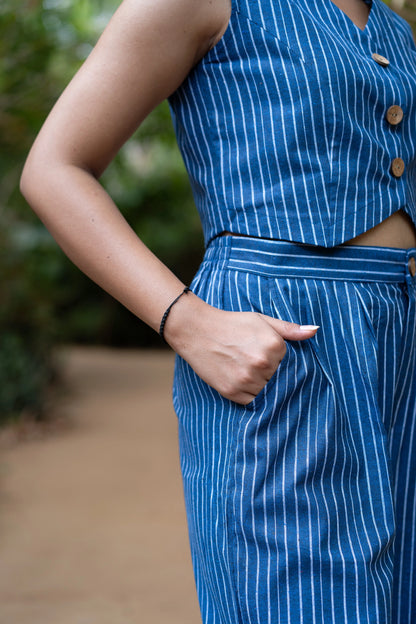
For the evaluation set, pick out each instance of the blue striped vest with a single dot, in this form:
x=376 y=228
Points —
x=300 y=126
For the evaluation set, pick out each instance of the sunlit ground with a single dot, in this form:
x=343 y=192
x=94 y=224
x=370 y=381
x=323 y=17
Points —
x=92 y=521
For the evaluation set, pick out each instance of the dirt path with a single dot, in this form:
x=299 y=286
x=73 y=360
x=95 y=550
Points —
x=92 y=521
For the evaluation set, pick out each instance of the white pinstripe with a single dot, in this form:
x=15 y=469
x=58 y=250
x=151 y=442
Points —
x=292 y=500
x=309 y=456
x=300 y=149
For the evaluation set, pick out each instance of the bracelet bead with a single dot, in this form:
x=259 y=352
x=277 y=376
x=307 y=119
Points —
x=168 y=309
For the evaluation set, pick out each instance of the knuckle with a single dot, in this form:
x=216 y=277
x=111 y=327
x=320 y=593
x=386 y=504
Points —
x=276 y=341
x=246 y=401
x=258 y=358
x=229 y=390
x=245 y=378
x=283 y=349
x=288 y=325
x=261 y=361
x=278 y=347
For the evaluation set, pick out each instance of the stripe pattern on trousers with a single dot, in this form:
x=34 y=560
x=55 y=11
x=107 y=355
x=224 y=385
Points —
x=301 y=504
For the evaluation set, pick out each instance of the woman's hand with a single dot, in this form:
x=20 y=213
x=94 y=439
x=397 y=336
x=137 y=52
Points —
x=234 y=352
x=146 y=51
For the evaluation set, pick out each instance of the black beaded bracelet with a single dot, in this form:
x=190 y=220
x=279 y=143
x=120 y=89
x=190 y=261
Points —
x=168 y=309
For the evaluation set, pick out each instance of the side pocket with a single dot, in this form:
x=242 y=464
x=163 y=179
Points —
x=286 y=291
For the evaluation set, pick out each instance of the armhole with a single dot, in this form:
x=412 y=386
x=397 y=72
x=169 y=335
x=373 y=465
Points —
x=233 y=9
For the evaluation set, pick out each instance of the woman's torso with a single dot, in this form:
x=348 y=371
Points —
x=285 y=130
x=398 y=229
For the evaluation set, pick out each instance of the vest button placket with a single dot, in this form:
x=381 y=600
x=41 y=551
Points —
x=381 y=60
x=394 y=115
x=397 y=167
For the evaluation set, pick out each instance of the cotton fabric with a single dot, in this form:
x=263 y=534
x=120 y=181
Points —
x=302 y=505
x=282 y=125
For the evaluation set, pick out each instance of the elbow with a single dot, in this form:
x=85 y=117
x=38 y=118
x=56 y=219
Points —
x=26 y=182
x=38 y=180
x=32 y=179
x=39 y=171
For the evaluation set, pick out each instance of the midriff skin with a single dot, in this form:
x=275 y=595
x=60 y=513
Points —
x=395 y=231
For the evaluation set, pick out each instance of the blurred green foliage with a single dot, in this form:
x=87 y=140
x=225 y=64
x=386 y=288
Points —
x=44 y=299
x=406 y=8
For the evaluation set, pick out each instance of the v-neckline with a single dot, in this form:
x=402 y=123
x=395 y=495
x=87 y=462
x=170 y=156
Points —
x=347 y=19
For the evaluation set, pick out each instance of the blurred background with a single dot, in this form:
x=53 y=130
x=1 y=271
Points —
x=92 y=520
x=44 y=300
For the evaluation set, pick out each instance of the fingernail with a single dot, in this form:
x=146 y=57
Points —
x=308 y=327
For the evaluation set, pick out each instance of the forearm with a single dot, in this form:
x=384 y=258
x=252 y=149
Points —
x=88 y=226
x=144 y=54
x=236 y=353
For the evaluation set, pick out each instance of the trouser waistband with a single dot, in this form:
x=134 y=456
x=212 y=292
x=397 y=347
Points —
x=287 y=259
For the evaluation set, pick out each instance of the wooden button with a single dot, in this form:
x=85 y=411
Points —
x=394 y=115
x=397 y=167
x=381 y=60
x=412 y=266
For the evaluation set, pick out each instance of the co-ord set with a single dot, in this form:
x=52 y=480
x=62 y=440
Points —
x=298 y=131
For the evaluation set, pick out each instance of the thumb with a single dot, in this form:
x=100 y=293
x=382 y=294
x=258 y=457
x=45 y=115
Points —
x=290 y=331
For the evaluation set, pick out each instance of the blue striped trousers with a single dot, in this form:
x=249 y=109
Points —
x=301 y=505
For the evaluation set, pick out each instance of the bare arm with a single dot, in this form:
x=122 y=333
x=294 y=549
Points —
x=146 y=51
x=144 y=54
